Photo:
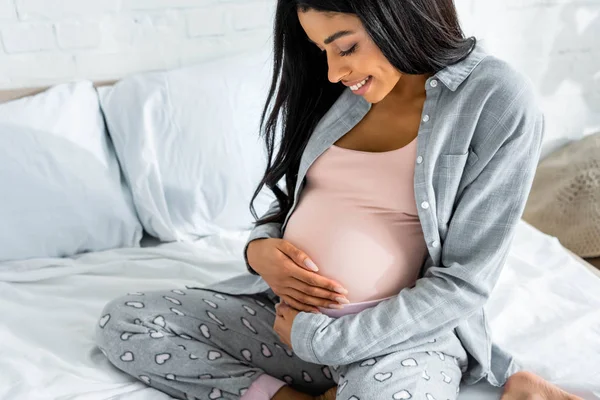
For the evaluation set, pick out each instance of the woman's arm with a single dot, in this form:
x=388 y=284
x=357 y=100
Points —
x=271 y=230
x=473 y=254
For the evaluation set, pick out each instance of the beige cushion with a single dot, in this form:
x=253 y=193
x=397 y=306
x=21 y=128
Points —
x=565 y=197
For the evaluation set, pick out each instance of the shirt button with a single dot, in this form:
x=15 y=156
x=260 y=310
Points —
x=435 y=244
x=419 y=160
x=433 y=83
x=426 y=118
x=425 y=205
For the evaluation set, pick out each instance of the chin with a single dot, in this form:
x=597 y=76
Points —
x=375 y=97
x=372 y=100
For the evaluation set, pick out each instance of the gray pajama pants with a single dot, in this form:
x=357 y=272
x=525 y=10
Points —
x=194 y=343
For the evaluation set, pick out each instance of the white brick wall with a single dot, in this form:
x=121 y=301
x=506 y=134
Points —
x=555 y=42
x=78 y=35
x=28 y=38
x=47 y=41
x=58 y=9
x=207 y=21
x=7 y=10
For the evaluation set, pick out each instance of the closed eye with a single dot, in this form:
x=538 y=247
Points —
x=349 y=51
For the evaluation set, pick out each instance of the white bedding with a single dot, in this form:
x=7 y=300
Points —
x=546 y=310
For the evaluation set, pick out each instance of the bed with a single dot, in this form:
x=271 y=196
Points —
x=545 y=310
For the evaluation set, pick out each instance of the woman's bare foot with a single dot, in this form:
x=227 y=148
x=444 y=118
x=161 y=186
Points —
x=328 y=395
x=527 y=386
x=287 y=393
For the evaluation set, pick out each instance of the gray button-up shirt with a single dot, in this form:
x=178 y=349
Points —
x=477 y=150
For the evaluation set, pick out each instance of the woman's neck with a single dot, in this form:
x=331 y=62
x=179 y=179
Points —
x=408 y=90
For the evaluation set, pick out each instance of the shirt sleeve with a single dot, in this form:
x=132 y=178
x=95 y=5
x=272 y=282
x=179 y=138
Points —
x=265 y=231
x=473 y=254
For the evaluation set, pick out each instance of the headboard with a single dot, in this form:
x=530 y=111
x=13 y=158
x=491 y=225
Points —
x=13 y=94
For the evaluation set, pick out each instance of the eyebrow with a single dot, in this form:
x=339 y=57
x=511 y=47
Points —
x=335 y=36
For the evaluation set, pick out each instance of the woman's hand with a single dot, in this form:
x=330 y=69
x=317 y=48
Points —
x=287 y=270
x=284 y=321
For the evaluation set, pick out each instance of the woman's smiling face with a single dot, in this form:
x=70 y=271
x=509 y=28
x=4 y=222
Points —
x=352 y=57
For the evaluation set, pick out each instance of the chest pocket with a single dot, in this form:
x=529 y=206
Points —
x=446 y=180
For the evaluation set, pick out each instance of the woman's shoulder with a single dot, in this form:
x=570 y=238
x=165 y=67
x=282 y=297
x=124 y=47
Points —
x=499 y=84
x=505 y=98
x=496 y=102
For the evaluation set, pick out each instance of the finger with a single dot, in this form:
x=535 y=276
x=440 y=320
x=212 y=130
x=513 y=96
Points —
x=313 y=301
x=299 y=306
x=297 y=256
x=289 y=312
x=278 y=310
x=283 y=310
x=276 y=324
x=314 y=291
x=316 y=280
x=282 y=305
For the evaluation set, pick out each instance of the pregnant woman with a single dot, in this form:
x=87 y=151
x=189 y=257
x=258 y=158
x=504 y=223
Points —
x=408 y=154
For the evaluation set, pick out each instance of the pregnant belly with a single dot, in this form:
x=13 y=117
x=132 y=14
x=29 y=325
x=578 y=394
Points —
x=372 y=255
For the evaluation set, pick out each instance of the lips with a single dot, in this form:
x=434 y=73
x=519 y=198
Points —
x=356 y=82
x=357 y=88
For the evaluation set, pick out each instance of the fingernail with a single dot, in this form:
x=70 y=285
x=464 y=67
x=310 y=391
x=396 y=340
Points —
x=342 y=300
x=311 y=265
x=336 y=306
x=341 y=290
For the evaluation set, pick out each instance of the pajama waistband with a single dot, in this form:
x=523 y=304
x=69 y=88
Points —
x=352 y=308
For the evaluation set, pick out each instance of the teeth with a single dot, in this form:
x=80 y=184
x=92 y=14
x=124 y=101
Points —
x=359 y=85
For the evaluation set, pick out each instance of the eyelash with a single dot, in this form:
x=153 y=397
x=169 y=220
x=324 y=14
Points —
x=349 y=51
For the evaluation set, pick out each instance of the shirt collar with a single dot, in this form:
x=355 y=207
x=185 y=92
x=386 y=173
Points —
x=454 y=75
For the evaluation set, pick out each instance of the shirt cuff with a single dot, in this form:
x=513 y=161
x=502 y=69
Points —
x=304 y=328
x=263 y=388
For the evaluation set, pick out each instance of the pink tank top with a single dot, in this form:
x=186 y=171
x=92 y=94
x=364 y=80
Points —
x=357 y=219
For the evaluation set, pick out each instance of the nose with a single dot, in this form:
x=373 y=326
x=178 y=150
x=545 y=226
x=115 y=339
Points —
x=338 y=68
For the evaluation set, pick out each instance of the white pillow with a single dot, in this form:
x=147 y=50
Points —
x=62 y=192
x=188 y=143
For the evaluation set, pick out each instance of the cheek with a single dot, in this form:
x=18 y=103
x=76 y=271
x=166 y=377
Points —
x=387 y=69
x=389 y=75
x=386 y=79
x=378 y=66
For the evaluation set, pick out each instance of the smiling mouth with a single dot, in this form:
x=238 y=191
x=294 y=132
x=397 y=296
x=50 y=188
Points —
x=361 y=84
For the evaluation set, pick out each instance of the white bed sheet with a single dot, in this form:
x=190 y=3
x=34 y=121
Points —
x=546 y=310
